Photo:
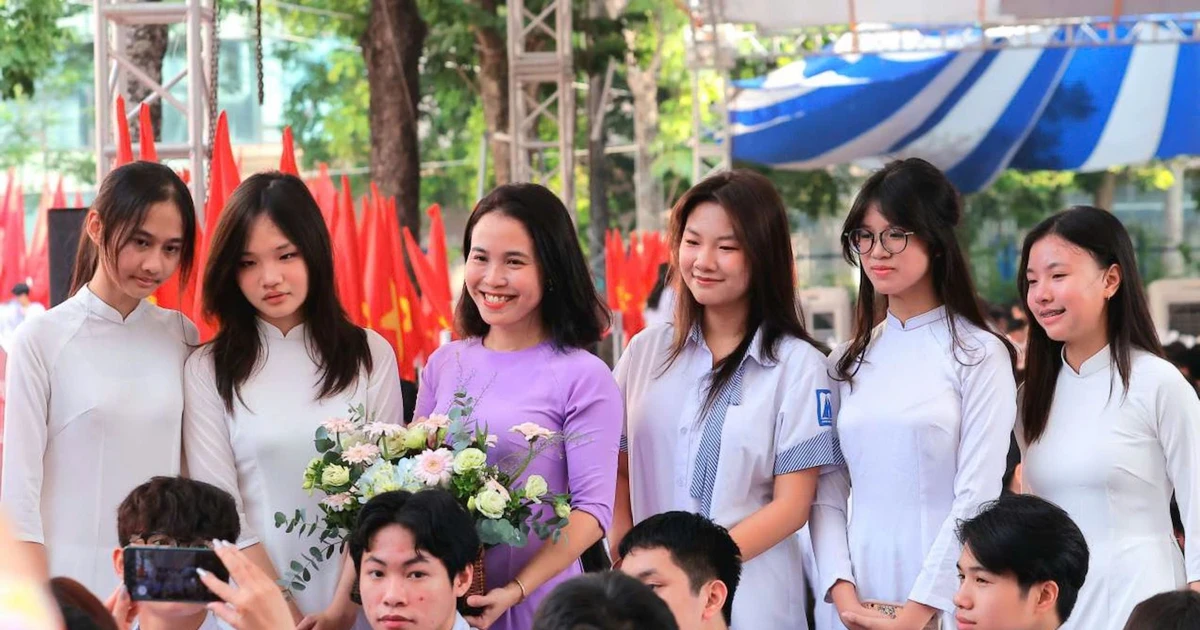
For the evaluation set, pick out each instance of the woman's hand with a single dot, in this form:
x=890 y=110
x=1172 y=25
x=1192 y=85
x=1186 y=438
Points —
x=256 y=603
x=332 y=618
x=122 y=608
x=495 y=603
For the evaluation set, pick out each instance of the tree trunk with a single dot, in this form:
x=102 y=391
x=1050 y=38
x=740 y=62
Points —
x=597 y=177
x=643 y=83
x=146 y=46
x=493 y=88
x=392 y=48
x=1107 y=191
x=1172 y=256
x=597 y=164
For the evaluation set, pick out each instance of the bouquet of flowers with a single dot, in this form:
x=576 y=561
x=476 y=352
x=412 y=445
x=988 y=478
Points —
x=359 y=457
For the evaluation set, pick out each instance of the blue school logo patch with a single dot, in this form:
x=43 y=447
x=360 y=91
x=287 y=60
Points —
x=824 y=408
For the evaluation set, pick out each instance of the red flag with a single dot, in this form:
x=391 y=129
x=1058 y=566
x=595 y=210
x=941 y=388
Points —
x=146 y=135
x=12 y=220
x=60 y=198
x=325 y=193
x=124 y=144
x=437 y=253
x=224 y=179
x=347 y=270
x=364 y=231
x=427 y=281
x=409 y=344
x=379 y=285
x=230 y=177
x=37 y=264
x=287 y=163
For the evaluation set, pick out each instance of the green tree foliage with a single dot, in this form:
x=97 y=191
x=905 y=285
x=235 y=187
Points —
x=30 y=40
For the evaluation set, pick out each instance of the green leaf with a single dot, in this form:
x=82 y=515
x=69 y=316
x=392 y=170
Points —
x=296 y=566
x=324 y=444
x=280 y=519
x=329 y=552
x=316 y=553
x=297 y=586
x=307 y=575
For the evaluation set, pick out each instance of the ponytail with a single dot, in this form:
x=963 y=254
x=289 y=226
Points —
x=87 y=259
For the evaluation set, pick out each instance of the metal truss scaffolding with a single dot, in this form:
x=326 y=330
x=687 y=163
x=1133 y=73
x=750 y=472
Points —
x=709 y=56
x=541 y=94
x=113 y=18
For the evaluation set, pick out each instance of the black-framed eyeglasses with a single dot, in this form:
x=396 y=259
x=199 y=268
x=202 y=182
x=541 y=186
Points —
x=862 y=240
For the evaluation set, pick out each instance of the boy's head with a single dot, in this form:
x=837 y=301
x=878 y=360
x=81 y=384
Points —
x=413 y=555
x=1022 y=565
x=21 y=292
x=174 y=512
x=690 y=562
x=603 y=601
x=1173 y=610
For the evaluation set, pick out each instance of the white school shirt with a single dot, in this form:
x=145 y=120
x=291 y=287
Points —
x=1111 y=460
x=775 y=419
x=925 y=433
x=94 y=408
x=258 y=452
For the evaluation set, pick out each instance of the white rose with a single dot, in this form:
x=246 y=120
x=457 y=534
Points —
x=335 y=475
x=535 y=487
x=490 y=503
x=562 y=510
x=469 y=459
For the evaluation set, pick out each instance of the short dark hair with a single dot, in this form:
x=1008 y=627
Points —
x=436 y=521
x=603 y=601
x=1173 y=610
x=20 y=288
x=702 y=549
x=1034 y=540
x=571 y=310
x=182 y=509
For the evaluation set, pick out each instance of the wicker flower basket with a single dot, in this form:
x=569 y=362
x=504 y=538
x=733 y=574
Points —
x=478 y=586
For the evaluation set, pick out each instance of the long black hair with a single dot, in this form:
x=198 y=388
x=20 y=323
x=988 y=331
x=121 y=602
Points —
x=339 y=347
x=915 y=195
x=571 y=310
x=760 y=224
x=1127 y=314
x=124 y=200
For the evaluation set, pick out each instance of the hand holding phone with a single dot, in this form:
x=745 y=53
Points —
x=168 y=574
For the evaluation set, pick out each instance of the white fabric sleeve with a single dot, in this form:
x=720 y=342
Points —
x=385 y=401
x=26 y=433
x=989 y=410
x=828 y=525
x=207 y=448
x=1177 y=413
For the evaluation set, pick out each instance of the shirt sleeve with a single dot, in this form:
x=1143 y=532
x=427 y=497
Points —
x=989 y=411
x=207 y=449
x=26 y=433
x=592 y=428
x=427 y=388
x=828 y=525
x=1177 y=411
x=804 y=436
x=384 y=398
x=621 y=375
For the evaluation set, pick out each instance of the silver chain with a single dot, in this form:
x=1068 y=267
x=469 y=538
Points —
x=214 y=59
x=259 y=44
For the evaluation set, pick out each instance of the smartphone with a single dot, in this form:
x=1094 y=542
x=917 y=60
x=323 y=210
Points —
x=168 y=574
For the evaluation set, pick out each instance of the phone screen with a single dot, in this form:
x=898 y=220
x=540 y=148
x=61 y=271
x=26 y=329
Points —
x=168 y=574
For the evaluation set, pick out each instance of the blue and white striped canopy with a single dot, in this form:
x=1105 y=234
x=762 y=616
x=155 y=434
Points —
x=975 y=113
